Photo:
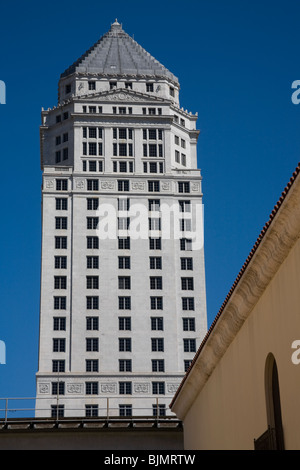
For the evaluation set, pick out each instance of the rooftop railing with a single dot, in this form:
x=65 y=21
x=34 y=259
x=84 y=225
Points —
x=60 y=407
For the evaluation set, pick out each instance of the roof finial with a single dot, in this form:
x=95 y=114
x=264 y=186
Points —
x=115 y=27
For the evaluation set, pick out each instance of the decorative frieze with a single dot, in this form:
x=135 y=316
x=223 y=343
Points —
x=195 y=187
x=49 y=184
x=172 y=388
x=75 y=388
x=44 y=388
x=108 y=185
x=138 y=185
x=165 y=186
x=79 y=184
x=109 y=388
x=141 y=388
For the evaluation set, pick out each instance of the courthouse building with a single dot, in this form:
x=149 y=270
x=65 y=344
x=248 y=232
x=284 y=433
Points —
x=123 y=307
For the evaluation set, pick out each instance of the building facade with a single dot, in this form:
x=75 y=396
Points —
x=241 y=392
x=123 y=306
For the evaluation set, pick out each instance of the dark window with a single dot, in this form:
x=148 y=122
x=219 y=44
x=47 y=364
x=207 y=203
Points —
x=125 y=323
x=60 y=303
x=59 y=323
x=58 y=366
x=156 y=303
x=92 y=185
x=60 y=262
x=92 y=204
x=92 y=323
x=91 y=388
x=184 y=187
x=124 y=243
x=124 y=262
x=62 y=185
x=125 y=303
x=92 y=262
x=157 y=344
x=125 y=365
x=157 y=323
x=155 y=243
x=61 y=204
x=125 y=344
x=158 y=365
x=189 y=345
x=153 y=186
x=158 y=388
x=125 y=388
x=92 y=303
x=123 y=185
x=92 y=344
x=188 y=303
x=58 y=388
x=92 y=243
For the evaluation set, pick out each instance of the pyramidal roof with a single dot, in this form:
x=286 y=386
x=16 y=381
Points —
x=117 y=53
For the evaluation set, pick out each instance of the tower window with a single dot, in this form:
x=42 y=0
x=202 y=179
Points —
x=158 y=388
x=92 y=344
x=125 y=323
x=189 y=345
x=125 y=344
x=61 y=185
x=123 y=185
x=149 y=87
x=157 y=323
x=125 y=365
x=125 y=388
x=91 y=388
x=156 y=303
x=188 y=324
x=158 y=365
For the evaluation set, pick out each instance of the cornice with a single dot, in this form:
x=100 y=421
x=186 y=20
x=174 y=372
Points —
x=272 y=247
x=121 y=76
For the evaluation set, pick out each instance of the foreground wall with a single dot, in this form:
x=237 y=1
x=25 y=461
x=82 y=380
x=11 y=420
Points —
x=35 y=435
x=230 y=411
x=242 y=390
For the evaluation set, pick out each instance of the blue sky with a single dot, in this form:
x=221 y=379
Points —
x=236 y=61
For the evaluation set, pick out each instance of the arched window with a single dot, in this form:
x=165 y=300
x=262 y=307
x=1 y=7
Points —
x=273 y=402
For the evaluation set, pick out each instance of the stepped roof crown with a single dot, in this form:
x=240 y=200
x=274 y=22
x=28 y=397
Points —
x=117 y=53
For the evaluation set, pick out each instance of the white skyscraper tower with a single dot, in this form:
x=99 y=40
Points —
x=123 y=304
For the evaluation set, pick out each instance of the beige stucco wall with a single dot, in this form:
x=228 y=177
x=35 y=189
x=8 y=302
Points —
x=230 y=410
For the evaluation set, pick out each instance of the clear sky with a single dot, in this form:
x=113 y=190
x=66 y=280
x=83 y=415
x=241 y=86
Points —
x=236 y=61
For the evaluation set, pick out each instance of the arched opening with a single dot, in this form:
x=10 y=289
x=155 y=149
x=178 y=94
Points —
x=273 y=402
